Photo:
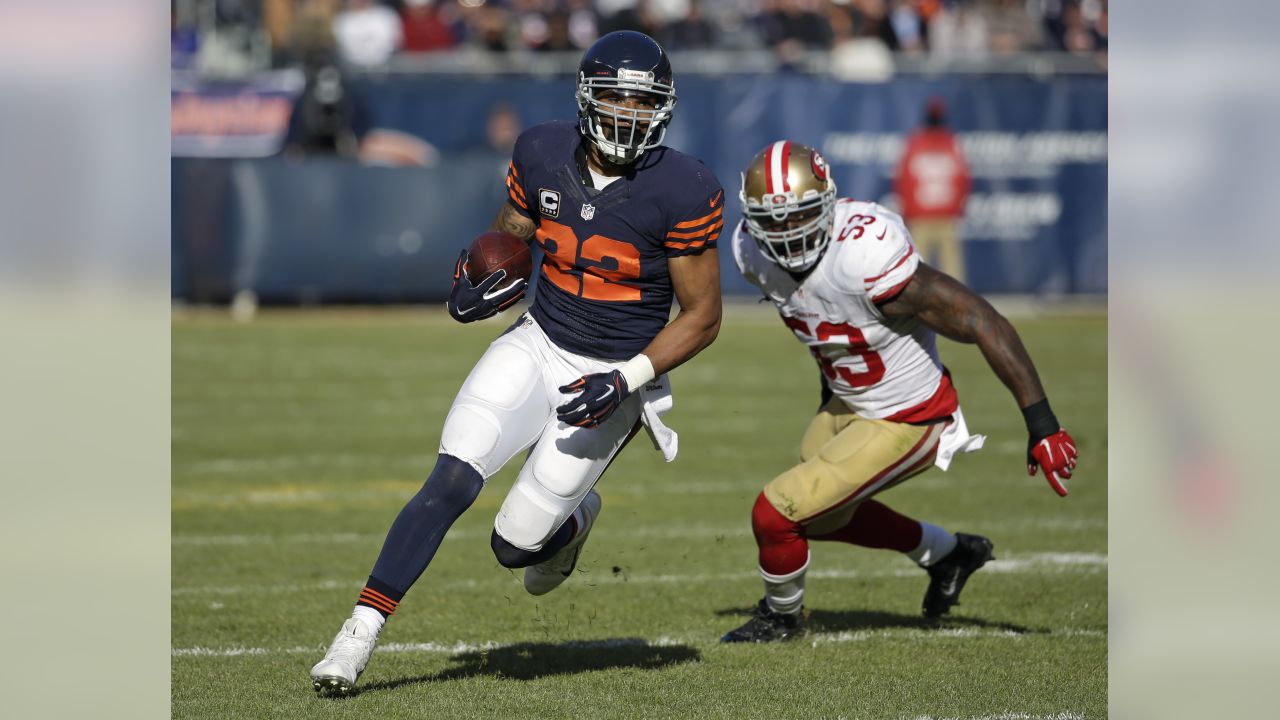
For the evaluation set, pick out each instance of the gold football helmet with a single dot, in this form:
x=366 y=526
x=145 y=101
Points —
x=788 y=199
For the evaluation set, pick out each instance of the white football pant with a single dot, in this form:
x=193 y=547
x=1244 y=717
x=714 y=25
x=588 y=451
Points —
x=507 y=404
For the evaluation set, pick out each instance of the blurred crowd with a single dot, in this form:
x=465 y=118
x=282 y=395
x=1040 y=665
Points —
x=234 y=35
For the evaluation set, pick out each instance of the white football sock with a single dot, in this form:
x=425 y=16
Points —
x=935 y=544
x=785 y=593
x=370 y=617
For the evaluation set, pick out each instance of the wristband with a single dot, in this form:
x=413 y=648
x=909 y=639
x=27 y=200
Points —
x=637 y=371
x=1041 y=422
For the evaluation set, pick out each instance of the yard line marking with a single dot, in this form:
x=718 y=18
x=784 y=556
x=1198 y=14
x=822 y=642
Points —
x=1009 y=715
x=814 y=639
x=1029 y=563
x=661 y=532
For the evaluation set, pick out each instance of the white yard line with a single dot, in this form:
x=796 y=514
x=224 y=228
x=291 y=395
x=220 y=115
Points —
x=1007 y=715
x=813 y=639
x=662 y=532
x=1028 y=563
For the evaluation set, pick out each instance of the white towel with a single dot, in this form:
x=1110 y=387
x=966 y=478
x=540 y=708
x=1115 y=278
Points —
x=956 y=439
x=656 y=396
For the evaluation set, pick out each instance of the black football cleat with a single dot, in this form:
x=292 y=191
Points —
x=948 y=576
x=767 y=626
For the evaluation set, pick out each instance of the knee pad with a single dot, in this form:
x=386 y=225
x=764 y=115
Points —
x=769 y=525
x=783 y=548
x=508 y=555
x=530 y=515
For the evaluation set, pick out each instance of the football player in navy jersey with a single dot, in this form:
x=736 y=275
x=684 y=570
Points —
x=625 y=225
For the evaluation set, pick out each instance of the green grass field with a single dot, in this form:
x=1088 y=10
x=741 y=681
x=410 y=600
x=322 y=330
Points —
x=297 y=438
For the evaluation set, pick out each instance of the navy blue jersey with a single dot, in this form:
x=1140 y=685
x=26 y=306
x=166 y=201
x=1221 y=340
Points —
x=604 y=289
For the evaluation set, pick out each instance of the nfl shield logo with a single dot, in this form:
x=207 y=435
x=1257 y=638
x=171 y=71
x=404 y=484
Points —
x=588 y=211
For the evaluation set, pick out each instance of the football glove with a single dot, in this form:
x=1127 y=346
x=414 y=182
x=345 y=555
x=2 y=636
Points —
x=598 y=395
x=468 y=303
x=1049 y=447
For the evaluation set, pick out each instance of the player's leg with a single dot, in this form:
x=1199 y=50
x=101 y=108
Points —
x=784 y=551
x=499 y=411
x=545 y=518
x=818 y=495
x=949 y=558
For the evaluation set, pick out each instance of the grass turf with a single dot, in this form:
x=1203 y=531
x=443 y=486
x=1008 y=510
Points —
x=297 y=438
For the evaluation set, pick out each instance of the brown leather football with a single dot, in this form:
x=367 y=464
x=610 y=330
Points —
x=495 y=251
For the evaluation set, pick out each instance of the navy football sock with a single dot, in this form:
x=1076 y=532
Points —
x=416 y=533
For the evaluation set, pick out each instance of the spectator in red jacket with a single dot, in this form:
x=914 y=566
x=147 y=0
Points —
x=932 y=185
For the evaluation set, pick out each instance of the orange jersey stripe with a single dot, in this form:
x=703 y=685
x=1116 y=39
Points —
x=704 y=219
x=511 y=167
x=511 y=183
x=696 y=233
x=517 y=200
x=689 y=245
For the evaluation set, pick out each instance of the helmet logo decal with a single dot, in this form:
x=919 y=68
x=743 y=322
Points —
x=778 y=199
x=819 y=165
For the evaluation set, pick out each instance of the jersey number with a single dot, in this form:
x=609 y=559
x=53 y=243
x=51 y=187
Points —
x=857 y=224
x=605 y=264
x=857 y=347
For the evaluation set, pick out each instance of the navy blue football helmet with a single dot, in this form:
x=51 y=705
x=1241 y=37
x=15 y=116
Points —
x=618 y=67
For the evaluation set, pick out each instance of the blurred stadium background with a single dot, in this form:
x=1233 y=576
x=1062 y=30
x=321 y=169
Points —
x=328 y=151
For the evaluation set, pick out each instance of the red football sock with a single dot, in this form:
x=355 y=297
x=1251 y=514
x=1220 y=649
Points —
x=875 y=525
x=783 y=548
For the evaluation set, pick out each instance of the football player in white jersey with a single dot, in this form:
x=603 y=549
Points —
x=846 y=279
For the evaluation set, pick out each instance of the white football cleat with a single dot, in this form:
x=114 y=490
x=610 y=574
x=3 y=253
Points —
x=547 y=575
x=347 y=657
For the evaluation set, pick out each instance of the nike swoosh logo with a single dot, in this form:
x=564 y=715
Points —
x=881 y=235
x=715 y=199
x=607 y=393
x=950 y=587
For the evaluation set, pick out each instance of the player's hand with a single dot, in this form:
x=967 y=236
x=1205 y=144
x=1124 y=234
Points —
x=468 y=303
x=598 y=395
x=1054 y=454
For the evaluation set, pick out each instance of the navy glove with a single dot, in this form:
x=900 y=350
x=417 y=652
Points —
x=599 y=394
x=468 y=303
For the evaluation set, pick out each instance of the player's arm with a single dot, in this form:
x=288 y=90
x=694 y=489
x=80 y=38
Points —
x=511 y=220
x=696 y=281
x=954 y=311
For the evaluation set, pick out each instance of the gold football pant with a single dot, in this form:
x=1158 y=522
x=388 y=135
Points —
x=845 y=459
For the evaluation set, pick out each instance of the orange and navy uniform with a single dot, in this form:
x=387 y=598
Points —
x=603 y=289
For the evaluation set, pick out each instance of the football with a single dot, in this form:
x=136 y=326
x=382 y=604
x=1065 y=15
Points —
x=495 y=251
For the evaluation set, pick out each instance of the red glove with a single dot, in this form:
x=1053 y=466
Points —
x=1048 y=446
x=1056 y=455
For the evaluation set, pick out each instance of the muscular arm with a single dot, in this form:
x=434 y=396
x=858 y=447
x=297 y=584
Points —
x=696 y=280
x=954 y=311
x=510 y=220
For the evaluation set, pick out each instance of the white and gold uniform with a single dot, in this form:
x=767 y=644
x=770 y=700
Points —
x=894 y=410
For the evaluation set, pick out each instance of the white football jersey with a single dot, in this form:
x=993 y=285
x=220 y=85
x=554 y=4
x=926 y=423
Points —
x=882 y=368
